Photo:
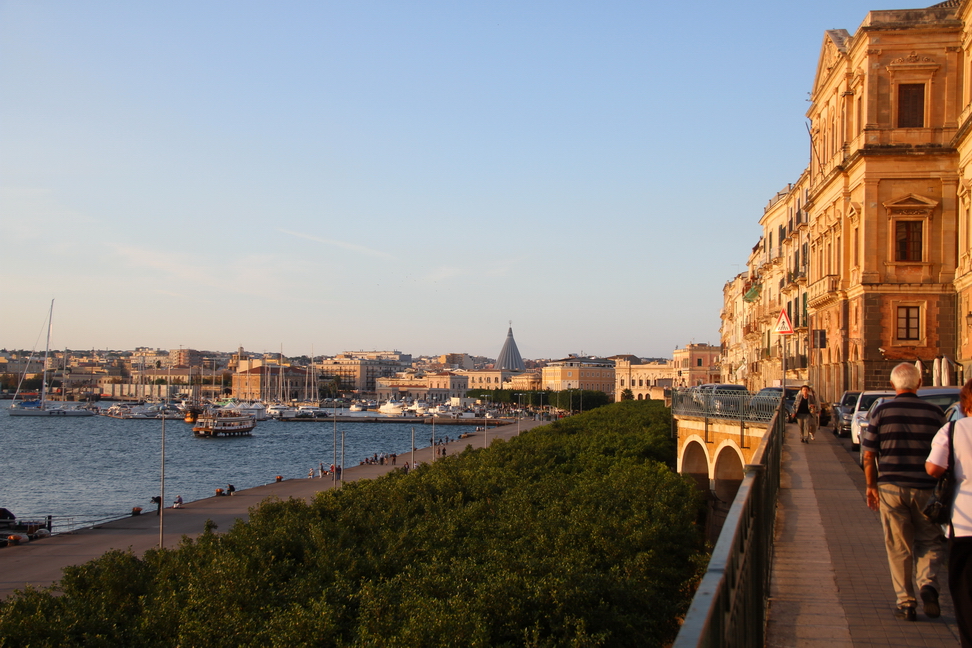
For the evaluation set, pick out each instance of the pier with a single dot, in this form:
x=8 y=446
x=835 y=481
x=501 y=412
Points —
x=40 y=563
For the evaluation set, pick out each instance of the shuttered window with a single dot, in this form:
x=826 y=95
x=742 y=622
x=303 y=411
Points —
x=911 y=105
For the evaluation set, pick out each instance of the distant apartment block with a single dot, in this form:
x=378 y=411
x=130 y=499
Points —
x=574 y=372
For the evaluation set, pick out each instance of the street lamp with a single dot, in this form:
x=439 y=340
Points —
x=519 y=412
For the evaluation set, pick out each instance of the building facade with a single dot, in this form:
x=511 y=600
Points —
x=870 y=251
x=646 y=381
x=575 y=372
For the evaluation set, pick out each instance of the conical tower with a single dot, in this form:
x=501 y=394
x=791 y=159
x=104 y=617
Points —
x=509 y=356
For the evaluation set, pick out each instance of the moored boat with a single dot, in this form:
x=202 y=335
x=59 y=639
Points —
x=391 y=408
x=216 y=423
x=42 y=407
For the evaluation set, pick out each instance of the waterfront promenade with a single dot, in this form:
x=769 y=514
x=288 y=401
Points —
x=41 y=563
x=830 y=582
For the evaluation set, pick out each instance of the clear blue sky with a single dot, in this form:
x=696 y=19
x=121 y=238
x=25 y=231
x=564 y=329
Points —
x=406 y=175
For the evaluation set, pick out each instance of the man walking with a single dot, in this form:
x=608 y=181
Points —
x=897 y=440
x=805 y=407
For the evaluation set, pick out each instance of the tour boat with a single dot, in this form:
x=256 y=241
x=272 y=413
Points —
x=216 y=423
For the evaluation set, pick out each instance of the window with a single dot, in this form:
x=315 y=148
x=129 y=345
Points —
x=699 y=362
x=911 y=105
x=907 y=240
x=908 y=319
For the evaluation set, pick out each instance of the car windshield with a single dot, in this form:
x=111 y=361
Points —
x=942 y=400
x=849 y=399
x=866 y=400
x=874 y=405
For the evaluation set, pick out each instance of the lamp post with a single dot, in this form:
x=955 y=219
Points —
x=162 y=484
x=485 y=424
x=519 y=412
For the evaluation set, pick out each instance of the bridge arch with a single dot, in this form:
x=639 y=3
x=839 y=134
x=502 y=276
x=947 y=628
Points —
x=727 y=471
x=694 y=462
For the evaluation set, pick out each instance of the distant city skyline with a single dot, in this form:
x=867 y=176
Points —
x=377 y=175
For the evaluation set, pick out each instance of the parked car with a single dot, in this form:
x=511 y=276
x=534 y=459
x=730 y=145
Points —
x=864 y=402
x=723 y=399
x=763 y=405
x=844 y=412
x=865 y=421
x=944 y=397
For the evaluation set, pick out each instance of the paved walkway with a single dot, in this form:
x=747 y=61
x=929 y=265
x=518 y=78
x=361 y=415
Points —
x=830 y=582
x=41 y=563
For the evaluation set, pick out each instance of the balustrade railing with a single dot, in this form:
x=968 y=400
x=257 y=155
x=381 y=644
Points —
x=726 y=404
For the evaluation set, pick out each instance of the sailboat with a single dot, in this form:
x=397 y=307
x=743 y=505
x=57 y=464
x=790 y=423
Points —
x=42 y=407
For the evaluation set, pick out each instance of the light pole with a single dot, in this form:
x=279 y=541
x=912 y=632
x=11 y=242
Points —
x=162 y=484
x=485 y=424
x=342 y=458
x=519 y=412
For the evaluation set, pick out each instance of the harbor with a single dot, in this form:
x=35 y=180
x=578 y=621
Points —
x=82 y=471
x=40 y=563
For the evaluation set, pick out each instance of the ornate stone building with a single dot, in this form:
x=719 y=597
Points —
x=870 y=251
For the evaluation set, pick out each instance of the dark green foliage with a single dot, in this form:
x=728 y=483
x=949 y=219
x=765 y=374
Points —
x=572 y=400
x=575 y=534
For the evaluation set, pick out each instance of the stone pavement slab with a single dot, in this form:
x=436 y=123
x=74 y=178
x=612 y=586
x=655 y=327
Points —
x=830 y=582
x=41 y=563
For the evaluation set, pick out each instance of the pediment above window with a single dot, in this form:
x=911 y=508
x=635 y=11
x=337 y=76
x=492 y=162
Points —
x=913 y=64
x=911 y=205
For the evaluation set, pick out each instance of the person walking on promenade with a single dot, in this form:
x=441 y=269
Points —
x=805 y=407
x=960 y=536
x=898 y=438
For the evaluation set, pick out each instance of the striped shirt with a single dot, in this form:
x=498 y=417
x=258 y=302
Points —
x=900 y=432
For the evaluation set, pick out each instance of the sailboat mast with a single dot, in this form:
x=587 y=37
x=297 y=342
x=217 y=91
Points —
x=47 y=351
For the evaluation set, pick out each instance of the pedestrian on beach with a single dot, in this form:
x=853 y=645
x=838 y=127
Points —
x=805 y=407
x=897 y=440
x=158 y=504
x=230 y=489
x=960 y=525
x=178 y=502
x=310 y=474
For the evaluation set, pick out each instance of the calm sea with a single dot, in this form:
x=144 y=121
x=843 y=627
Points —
x=94 y=468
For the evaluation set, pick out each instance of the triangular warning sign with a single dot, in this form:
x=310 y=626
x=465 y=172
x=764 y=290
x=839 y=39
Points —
x=783 y=326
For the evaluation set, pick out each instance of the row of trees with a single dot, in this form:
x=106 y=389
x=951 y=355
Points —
x=575 y=534
x=572 y=400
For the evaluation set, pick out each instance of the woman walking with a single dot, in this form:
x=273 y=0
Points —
x=960 y=526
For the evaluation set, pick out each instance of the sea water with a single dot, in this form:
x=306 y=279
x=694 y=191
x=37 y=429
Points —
x=88 y=469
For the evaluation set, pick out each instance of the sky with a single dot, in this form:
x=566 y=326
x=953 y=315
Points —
x=321 y=176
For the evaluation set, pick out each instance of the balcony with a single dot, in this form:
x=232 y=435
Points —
x=823 y=292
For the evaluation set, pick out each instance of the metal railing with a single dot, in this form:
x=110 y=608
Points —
x=729 y=607
x=730 y=405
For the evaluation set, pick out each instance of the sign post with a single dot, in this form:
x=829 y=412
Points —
x=783 y=327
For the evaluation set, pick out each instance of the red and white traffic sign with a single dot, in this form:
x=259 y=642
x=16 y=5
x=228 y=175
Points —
x=783 y=325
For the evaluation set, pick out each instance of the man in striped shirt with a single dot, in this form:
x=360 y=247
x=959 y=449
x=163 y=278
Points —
x=896 y=443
